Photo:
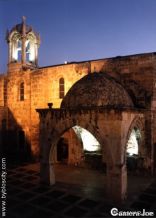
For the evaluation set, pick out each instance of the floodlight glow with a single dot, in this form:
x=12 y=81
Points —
x=132 y=145
x=89 y=141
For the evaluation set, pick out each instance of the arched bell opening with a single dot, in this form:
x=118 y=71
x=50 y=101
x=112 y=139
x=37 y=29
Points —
x=23 y=43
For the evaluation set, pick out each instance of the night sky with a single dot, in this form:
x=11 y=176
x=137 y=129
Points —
x=78 y=30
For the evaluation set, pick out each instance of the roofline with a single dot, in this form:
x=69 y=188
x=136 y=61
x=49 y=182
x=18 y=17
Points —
x=116 y=57
x=123 y=109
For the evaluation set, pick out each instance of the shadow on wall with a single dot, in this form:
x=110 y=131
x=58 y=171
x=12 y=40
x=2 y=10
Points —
x=15 y=146
x=140 y=97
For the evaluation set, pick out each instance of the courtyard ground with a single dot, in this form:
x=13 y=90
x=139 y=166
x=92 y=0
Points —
x=78 y=192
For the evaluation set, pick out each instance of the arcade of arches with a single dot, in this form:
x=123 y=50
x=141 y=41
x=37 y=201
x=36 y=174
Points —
x=118 y=127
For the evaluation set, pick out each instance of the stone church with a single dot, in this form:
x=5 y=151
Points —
x=47 y=113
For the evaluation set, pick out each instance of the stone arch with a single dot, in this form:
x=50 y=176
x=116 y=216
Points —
x=138 y=123
x=14 y=39
x=55 y=122
x=33 y=46
x=66 y=125
x=136 y=162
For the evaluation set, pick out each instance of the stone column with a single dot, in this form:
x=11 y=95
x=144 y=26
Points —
x=9 y=53
x=117 y=182
x=153 y=156
x=154 y=159
x=36 y=54
x=23 y=41
x=47 y=173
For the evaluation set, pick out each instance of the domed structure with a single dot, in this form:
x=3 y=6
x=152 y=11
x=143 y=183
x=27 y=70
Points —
x=97 y=89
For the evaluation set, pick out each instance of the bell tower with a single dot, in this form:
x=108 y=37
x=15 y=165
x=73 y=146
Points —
x=23 y=44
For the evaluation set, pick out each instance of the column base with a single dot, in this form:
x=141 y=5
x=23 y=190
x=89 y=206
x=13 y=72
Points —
x=117 y=183
x=47 y=174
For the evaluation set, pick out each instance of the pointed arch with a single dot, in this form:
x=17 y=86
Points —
x=136 y=125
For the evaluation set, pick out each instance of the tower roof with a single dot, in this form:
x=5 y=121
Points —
x=18 y=28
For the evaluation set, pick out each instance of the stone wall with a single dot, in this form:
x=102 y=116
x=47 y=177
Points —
x=42 y=86
x=3 y=115
x=45 y=89
x=140 y=68
x=1 y=90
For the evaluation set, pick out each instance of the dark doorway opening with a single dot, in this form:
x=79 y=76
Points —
x=62 y=150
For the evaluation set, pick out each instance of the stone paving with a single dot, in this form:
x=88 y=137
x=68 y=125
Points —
x=27 y=198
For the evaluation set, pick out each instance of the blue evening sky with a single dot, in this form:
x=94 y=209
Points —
x=78 y=30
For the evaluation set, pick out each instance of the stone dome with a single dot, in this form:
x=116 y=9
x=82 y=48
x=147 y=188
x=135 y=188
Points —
x=97 y=89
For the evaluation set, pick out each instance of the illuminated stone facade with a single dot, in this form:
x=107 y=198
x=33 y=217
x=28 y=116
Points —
x=108 y=97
